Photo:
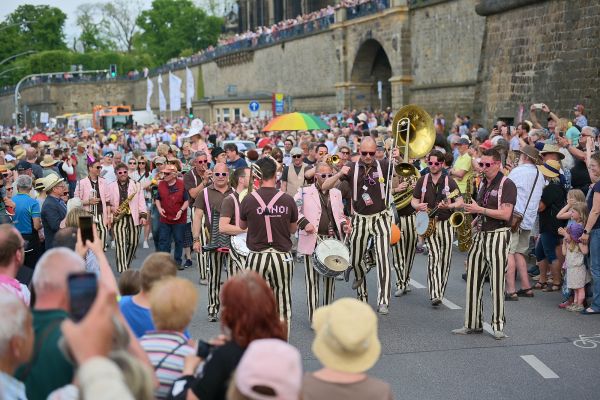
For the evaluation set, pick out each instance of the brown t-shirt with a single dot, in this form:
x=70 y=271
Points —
x=367 y=183
x=487 y=197
x=435 y=194
x=370 y=388
x=228 y=207
x=191 y=180
x=284 y=213
x=215 y=199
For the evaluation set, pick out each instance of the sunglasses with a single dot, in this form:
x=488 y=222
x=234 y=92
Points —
x=325 y=176
x=345 y=152
x=486 y=165
x=122 y=173
x=367 y=153
x=168 y=173
x=6 y=175
x=223 y=174
x=297 y=156
x=202 y=161
x=432 y=163
x=132 y=163
x=65 y=193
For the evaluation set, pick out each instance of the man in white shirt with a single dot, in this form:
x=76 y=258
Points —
x=530 y=184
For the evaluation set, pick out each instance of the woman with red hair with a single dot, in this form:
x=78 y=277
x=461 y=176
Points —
x=248 y=312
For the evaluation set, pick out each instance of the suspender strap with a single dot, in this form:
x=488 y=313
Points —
x=500 y=191
x=237 y=209
x=355 y=182
x=266 y=209
x=424 y=187
x=207 y=204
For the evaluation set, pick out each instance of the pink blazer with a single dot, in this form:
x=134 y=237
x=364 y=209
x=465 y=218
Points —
x=137 y=204
x=310 y=209
x=84 y=189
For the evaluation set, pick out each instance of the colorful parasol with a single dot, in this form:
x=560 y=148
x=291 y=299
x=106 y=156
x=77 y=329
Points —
x=40 y=137
x=295 y=122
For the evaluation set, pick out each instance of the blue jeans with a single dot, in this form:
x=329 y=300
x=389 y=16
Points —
x=546 y=247
x=166 y=234
x=594 y=246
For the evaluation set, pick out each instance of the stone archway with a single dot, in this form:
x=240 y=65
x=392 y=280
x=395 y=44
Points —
x=371 y=65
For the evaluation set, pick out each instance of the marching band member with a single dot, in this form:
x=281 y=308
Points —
x=207 y=203
x=432 y=191
x=403 y=251
x=229 y=223
x=488 y=256
x=127 y=211
x=195 y=181
x=271 y=218
x=370 y=218
x=94 y=194
x=321 y=213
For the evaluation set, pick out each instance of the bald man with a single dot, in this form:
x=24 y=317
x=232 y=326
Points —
x=370 y=219
x=208 y=202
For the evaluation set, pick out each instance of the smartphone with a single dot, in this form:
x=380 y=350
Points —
x=537 y=106
x=204 y=349
x=83 y=287
x=86 y=226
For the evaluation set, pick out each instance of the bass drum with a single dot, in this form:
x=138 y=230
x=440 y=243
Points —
x=238 y=244
x=331 y=258
x=422 y=222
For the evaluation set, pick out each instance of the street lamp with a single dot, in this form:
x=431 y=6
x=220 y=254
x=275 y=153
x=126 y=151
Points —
x=17 y=55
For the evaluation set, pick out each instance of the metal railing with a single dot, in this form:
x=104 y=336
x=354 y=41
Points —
x=362 y=10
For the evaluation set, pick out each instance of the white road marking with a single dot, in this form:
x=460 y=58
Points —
x=488 y=328
x=540 y=367
x=416 y=284
x=450 y=304
x=445 y=301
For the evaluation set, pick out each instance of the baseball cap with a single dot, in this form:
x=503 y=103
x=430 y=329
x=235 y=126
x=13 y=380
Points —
x=23 y=165
x=270 y=364
x=296 y=151
x=463 y=141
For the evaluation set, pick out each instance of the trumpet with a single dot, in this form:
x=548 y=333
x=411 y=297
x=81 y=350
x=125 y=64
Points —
x=332 y=160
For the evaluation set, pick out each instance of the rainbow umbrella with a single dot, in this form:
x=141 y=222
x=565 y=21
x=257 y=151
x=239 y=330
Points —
x=295 y=122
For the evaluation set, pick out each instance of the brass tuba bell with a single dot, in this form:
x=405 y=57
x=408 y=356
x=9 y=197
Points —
x=414 y=135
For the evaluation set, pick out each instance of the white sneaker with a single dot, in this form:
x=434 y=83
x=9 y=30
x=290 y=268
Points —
x=398 y=292
x=150 y=236
x=145 y=245
x=112 y=244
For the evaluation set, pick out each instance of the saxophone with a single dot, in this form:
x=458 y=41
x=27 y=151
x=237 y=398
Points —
x=465 y=236
x=123 y=208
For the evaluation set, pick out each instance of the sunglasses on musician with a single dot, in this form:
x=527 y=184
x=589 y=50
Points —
x=122 y=173
x=434 y=163
x=487 y=164
x=367 y=153
x=325 y=176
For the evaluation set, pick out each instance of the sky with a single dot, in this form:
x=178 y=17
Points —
x=69 y=7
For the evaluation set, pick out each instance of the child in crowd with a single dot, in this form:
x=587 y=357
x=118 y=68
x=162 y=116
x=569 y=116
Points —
x=129 y=282
x=573 y=196
x=574 y=252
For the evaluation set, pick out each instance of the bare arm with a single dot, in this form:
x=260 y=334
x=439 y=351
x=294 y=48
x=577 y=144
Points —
x=564 y=213
x=293 y=227
x=196 y=222
x=284 y=186
x=227 y=228
x=309 y=173
x=37 y=223
x=330 y=182
x=541 y=206
x=594 y=212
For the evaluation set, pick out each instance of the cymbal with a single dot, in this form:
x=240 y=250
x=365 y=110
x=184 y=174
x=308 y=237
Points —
x=336 y=263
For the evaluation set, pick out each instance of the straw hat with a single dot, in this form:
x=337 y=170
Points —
x=552 y=149
x=51 y=181
x=19 y=153
x=41 y=183
x=346 y=336
x=48 y=161
x=550 y=169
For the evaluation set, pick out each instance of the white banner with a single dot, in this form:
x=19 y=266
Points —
x=190 y=90
x=149 y=94
x=174 y=92
x=162 y=102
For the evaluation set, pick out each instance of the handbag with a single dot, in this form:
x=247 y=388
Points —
x=517 y=217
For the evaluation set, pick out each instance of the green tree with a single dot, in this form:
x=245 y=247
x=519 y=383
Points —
x=39 y=27
x=90 y=21
x=172 y=26
x=120 y=22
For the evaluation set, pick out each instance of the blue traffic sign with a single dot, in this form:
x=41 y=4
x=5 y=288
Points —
x=254 y=106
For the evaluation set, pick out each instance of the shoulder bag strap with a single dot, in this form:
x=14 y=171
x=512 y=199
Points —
x=537 y=174
x=162 y=360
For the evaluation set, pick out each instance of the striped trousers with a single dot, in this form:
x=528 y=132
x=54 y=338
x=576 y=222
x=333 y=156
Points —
x=202 y=257
x=127 y=236
x=237 y=261
x=276 y=269
x=313 y=281
x=403 y=252
x=216 y=260
x=102 y=230
x=377 y=226
x=487 y=256
x=439 y=258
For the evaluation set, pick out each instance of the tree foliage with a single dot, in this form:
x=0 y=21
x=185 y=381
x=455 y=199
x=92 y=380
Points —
x=92 y=25
x=172 y=26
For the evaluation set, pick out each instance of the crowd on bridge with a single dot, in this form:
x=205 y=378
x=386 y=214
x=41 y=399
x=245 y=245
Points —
x=191 y=189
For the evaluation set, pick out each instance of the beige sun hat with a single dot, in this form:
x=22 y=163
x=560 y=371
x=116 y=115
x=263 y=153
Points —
x=51 y=181
x=346 y=336
x=48 y=161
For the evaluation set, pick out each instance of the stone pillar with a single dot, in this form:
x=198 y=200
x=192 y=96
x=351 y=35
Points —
x=400 y=91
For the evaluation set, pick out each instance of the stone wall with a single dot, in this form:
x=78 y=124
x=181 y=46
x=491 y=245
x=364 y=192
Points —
x=544 y=51
x=446 y=38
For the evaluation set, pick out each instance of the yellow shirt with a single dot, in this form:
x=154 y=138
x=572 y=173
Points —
x=463 y=162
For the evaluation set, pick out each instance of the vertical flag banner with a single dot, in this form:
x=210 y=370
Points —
x=174 y=92
x=149 y=94
x=162 y=102
x=190 y=90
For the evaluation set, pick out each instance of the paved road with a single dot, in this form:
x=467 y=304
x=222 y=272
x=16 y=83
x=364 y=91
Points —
x=421 y=359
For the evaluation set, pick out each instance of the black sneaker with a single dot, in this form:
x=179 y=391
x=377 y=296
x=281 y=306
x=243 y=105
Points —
x=180 y=267
x=188 y=263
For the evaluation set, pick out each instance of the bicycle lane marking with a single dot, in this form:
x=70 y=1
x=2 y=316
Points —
x=587 y=342
x=539 y=367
